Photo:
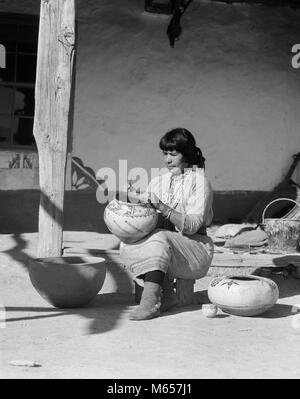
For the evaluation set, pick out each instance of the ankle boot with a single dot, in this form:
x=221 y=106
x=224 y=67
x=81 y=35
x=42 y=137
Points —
x=150 y=303
x=169 y=297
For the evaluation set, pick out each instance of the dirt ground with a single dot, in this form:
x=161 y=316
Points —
x=99 y=341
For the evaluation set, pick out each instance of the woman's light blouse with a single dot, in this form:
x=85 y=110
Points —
x=189 y=193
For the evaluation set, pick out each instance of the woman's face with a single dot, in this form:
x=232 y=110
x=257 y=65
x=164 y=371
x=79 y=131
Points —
x=174 y=161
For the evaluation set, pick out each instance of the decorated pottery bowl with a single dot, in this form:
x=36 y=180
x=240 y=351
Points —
x=243 y=295
x=128 y=221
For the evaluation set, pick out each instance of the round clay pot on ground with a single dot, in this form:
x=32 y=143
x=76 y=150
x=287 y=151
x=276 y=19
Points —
x=68 y=281
x=243 y=295
x=128 y=221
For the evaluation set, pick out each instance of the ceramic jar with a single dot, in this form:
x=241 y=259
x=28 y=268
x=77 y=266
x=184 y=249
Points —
x=128 y=221
x=68 y=281
x=209 y=310
x=243 y=295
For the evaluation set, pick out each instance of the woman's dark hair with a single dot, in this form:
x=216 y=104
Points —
x=183 y=141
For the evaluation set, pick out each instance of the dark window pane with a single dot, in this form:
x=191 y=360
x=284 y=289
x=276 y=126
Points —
x=5 y=129
x=8 y=74
x=26 y=66
x=27 y=39
x=24 y=131
x=6 y=100
x=8 y=35
x=19 y=36
x=24 y=101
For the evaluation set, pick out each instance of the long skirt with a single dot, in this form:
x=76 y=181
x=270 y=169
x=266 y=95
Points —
x=177 y=255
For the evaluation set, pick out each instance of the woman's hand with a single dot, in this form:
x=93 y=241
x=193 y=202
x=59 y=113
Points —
x=150 y=198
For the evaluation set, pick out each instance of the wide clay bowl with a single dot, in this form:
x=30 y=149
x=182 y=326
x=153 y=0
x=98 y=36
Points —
x=128 y=221
x=68 y=281
x=243 y=295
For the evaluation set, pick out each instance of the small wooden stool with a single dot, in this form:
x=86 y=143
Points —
x=184 y=290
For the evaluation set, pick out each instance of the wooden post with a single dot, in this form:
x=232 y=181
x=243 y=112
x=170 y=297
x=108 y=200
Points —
x=52 y=103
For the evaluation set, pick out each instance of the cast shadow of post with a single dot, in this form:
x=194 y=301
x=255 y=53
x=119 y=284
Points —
x=104 y=311
x=286 y=277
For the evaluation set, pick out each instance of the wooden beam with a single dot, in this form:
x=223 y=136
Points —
x=274 y=3
x=254 y=260
x=52 y=103
x=228 y=259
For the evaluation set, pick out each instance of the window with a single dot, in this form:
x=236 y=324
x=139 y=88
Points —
x=161 y=6
x=19 y=36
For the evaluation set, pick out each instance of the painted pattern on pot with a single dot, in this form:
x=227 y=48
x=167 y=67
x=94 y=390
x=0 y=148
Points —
x=243 y=295
x=130 y=222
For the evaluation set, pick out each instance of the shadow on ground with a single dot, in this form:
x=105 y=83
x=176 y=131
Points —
x=288 y=285
x=17 y=253
x=104 y=311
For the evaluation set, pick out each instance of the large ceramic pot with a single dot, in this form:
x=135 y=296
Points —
x=128 y=221
x=243 y=295
x=68 y=281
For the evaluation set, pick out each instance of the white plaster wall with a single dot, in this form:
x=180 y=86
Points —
x=229 y=80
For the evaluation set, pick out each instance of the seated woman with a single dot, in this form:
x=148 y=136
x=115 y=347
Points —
x=181 y=249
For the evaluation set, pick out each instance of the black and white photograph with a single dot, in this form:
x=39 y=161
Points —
x=149 y=192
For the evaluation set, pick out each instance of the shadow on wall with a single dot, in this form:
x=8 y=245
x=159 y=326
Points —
x=19 y=212
x=82 y=211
